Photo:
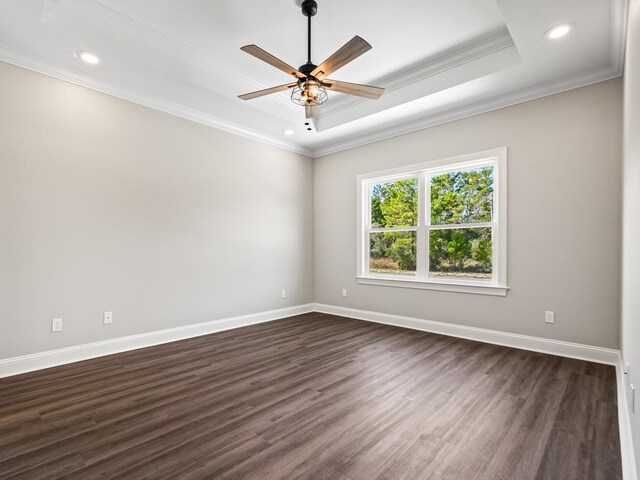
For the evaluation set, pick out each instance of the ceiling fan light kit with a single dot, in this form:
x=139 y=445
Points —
x=311 y=85
x=309 y=92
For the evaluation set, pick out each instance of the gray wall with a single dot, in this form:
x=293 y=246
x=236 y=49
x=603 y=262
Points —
x=109 y=206
x=631 y=209
x=564 y=223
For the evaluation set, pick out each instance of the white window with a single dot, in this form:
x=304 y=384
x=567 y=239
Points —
x=440 y=225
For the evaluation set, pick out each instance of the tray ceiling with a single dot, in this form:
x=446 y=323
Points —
x=438 y=60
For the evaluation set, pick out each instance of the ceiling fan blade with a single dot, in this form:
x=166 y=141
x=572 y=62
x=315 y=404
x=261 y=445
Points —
x=271 y=60
x=266 y=91
x=345 y=54
x=353 y=89
x=312 y=111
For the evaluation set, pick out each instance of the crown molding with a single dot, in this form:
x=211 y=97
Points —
x=525 y=95
x=8 y=56
x=494 y=103
x=614 y=71
x=429 y=67
x=619 y=13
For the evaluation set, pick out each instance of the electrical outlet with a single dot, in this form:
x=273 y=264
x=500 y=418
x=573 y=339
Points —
x=284 y=293
x=344 y=292
x=107 y=317
x=56 y=325
x=549 y=317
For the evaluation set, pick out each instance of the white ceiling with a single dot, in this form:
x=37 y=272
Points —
x=439 y=60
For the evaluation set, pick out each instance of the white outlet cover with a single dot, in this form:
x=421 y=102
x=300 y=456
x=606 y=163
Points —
x=108 y=317
x=56 y=325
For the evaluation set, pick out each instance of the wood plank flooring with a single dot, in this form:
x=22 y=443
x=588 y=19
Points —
x=314 y=397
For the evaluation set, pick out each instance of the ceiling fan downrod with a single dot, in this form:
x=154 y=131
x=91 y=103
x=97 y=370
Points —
x=309 y=9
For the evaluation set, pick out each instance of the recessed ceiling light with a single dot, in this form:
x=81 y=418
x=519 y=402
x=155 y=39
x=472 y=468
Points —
x=558 y=31
x=88 y=57
x=288 y=131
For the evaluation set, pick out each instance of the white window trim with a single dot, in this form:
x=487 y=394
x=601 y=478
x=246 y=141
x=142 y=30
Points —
x=498 y=284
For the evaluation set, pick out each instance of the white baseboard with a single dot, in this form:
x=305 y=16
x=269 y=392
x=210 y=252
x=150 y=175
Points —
x=53 y=358
x=629 y=471
x=544 y=345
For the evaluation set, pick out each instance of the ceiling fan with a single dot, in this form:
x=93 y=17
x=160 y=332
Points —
x=311 y=85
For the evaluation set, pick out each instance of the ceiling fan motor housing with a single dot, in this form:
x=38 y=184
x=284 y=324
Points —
x=309 y=8
x=307 y=68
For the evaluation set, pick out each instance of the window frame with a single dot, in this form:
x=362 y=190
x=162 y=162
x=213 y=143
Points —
x=497 y=285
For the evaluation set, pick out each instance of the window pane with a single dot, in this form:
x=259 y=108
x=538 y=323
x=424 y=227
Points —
x=462 y=197
x=393 y=252
x=395 y=204
x=464 y=253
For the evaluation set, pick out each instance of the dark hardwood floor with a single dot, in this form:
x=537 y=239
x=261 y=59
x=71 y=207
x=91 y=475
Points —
x=314 y=397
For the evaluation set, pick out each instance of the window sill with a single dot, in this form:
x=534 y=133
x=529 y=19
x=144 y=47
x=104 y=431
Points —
x=477 y=289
